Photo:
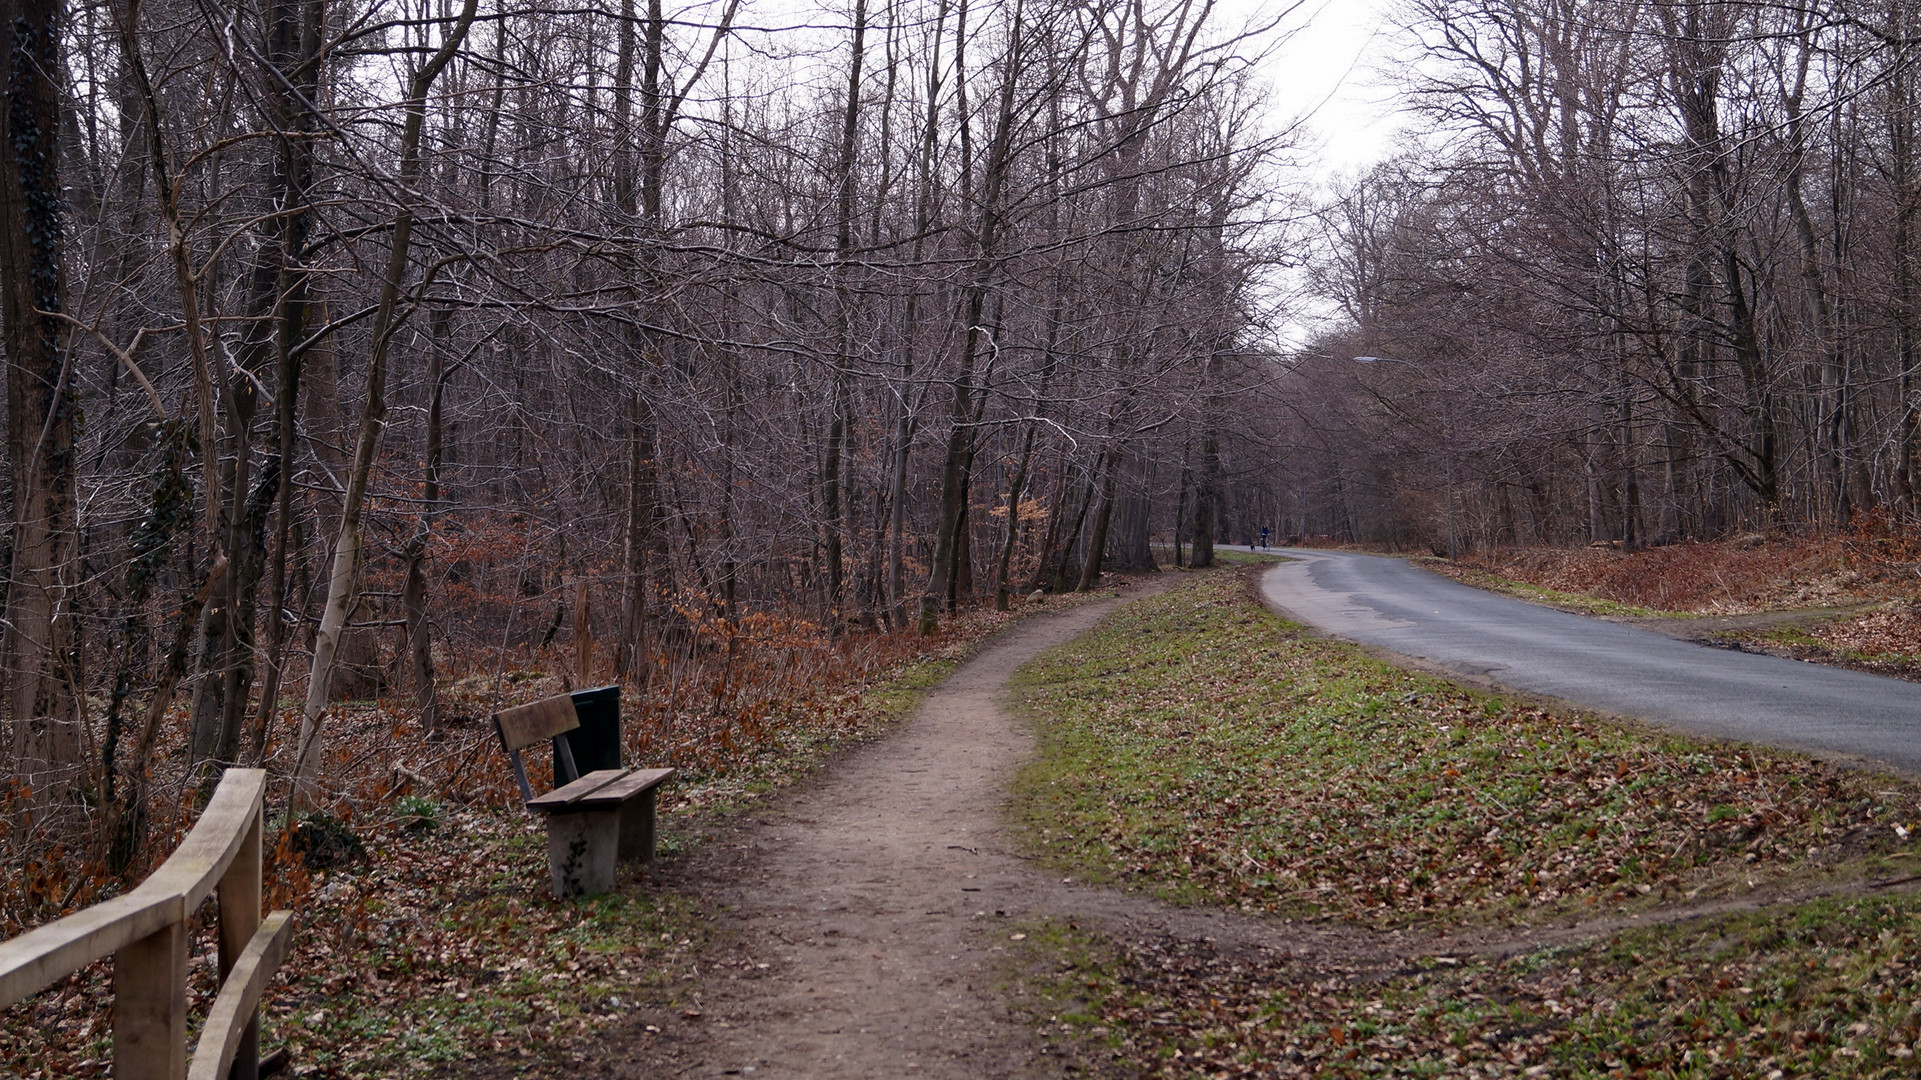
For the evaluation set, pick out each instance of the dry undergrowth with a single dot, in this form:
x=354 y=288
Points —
x=429 y=939
x=1850 y=599
x=1729 y=577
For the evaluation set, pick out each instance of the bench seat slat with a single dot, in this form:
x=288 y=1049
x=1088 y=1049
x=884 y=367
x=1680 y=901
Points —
x=567 y=795
x=619 y=791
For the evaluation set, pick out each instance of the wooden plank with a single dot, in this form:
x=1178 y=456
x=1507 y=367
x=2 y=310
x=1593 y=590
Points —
x=197 y=864
x=232 y=1014
x=239 y=895
x=564 y=749
x=150 y=1006
x=525 y=725
x=612 y=795
x=520 y=776
x=52 y=952
x=562 y=797
x=47 y=954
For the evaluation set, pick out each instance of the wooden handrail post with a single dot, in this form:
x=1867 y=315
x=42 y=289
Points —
x=150 y=1006
x=239 y=894
x=146 y=933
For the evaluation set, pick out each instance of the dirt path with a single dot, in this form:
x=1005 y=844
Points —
x=864 y=919
x=857 y=907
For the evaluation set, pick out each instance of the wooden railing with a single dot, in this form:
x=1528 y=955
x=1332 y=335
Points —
x=146 y=933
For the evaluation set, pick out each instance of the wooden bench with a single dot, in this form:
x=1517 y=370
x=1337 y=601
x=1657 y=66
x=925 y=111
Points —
x=603 y=818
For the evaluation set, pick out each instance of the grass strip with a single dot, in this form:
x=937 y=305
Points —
x=1198 y=745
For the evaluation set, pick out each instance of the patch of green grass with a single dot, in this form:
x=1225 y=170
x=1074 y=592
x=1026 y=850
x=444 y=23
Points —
x=1244 y=558
x=1792 y=635
x=1065 y=983
x=896 y=698
x=1197 y=745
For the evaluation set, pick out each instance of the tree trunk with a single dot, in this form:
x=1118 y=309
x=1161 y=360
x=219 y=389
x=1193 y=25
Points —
x=343 y=581
x=1207 y=487
x=632 y=657
x=413 y=590
x=832 y=481
x=1096 y=551
x=43 y=641
x=1014 y=489
x=1133 y=545
x=169 y=517
x=953 y=504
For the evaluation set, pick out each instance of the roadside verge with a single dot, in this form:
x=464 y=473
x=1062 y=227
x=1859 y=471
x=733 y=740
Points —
x=1200 y=748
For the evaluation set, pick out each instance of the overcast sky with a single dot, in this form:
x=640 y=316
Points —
x=1330 y=68
x=1329 y=73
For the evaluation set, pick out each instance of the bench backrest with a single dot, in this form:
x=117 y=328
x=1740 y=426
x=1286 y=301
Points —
x=524 y=725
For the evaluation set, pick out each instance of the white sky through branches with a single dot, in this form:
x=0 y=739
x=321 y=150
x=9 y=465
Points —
x=1329 y=71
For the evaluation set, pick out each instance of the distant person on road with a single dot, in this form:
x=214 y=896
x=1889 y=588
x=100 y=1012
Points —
x=1263 y=536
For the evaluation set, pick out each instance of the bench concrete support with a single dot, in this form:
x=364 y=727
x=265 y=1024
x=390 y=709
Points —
x=581 y=850
x=637 y=828
x=602 y=818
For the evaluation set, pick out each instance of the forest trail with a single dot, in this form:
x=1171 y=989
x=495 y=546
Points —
x=864 y=920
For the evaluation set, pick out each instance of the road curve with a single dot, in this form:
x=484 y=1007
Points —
x=1391 y=604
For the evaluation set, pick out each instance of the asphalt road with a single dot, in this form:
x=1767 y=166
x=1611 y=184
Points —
x=1390 y=604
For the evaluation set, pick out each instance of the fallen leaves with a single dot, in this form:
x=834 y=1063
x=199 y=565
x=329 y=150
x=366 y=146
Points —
x=1263 y=769
x=1825 y=989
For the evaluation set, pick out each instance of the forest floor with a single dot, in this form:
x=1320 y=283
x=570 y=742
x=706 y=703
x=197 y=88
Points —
x=1845 y=599
x=1233 y=849
x=1237 y=850
x=429 y=942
